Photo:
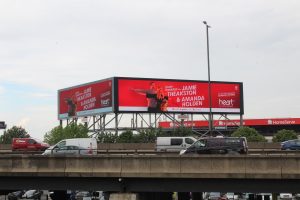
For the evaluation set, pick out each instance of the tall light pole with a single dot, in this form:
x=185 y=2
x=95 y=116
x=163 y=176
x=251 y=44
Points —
x=209 y=84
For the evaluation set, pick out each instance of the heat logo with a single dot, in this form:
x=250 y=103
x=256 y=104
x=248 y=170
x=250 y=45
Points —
x=226 y=103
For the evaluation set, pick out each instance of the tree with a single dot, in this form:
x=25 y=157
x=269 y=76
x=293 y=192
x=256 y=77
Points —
x=107 y=137
x=284 y=135
x=125 y=137
x=146 y=136
x=71 y=131
x=14 y=132
x=250 y=133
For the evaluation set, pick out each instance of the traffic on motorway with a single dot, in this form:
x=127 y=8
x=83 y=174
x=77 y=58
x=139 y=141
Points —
x=170 y=145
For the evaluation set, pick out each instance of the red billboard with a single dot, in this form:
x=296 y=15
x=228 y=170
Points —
x=234 y=122
x=178 y=96
x=86 y=100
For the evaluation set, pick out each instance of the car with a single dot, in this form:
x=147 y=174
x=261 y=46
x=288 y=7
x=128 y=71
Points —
x=83 y=195
x=286 y=196
x=291 y=145
x=217 y=196
x=32 y=194
x=218 y=145
x=231 y=196
x=297 y=196
x=68 y=150
x=15 y=195
x=28 y=144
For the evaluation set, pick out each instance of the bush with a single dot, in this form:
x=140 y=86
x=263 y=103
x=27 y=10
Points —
x=284 y=135
x=250 y=133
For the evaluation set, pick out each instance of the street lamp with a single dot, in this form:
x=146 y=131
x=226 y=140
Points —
x=209 y=84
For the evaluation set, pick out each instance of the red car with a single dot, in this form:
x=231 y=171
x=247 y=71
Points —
x=28 y=144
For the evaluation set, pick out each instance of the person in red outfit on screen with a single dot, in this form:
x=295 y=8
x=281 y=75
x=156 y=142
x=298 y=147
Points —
x=156 y=99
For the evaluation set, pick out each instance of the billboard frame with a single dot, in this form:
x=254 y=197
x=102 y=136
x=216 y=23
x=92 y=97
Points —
x=106 y=110
x=178 y=80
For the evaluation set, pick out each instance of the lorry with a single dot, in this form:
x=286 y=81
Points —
x=74 y=146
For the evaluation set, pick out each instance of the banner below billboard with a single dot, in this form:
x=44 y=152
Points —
x=178 y=96
x=232 y=122
x=86 y=100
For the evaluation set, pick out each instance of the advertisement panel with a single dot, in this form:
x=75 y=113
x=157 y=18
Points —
x=85 y=100
x=233 y=122
x=178 y=96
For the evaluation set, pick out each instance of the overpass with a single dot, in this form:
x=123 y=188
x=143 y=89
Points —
x=152 y=173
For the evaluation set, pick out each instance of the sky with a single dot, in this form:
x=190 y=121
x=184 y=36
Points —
x=53 y=44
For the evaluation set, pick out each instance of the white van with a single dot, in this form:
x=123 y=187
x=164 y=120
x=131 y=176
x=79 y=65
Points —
x=74 y=146
x=174 y=143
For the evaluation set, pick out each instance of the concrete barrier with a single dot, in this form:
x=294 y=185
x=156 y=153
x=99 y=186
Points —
x=146 y=166
x=126 y=146
x=263 y=145
x=5 y=146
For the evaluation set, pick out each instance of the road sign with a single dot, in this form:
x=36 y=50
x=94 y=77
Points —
x=2 y=125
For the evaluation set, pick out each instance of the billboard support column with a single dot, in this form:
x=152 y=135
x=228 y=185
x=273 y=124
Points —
x=116 y=124
x=241 y=120
x=94 y=121
x=173 y=121
x=104 y=122
x=132 y=121
x=155 y=122
x=192 y=119
x=136 y=120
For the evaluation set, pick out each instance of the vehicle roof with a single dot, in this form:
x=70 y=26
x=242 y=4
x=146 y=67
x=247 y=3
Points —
x=220 y=138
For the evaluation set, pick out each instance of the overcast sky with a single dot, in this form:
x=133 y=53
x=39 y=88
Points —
x=53 y=44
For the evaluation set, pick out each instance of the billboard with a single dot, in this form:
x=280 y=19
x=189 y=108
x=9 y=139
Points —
x=86 y=100
x=178 y=96
x=233 y=122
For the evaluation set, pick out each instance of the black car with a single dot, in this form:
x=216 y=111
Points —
x=218 y=145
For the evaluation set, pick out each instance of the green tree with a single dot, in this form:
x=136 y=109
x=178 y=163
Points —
x=71 y=131
x=146 y=136
x=284 y=135
x=125 y=137
x=250 y=133
x=14 y=132
x=107 y=137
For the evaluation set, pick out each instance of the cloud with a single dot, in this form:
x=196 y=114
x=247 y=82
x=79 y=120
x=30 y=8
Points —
x=51 y=45
x=2 y=90
x=24 y=122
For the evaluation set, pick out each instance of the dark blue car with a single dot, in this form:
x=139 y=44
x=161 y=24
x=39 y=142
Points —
x=290 y=145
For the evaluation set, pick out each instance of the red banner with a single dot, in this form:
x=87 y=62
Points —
x=84 y=100
x=225 y=123
x=150 y=95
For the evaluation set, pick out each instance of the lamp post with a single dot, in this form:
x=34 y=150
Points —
x=209 y=84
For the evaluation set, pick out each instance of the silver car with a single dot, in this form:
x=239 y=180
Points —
x=68 y=150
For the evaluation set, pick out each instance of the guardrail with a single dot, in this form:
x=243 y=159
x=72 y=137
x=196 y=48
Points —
x=153 y=152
